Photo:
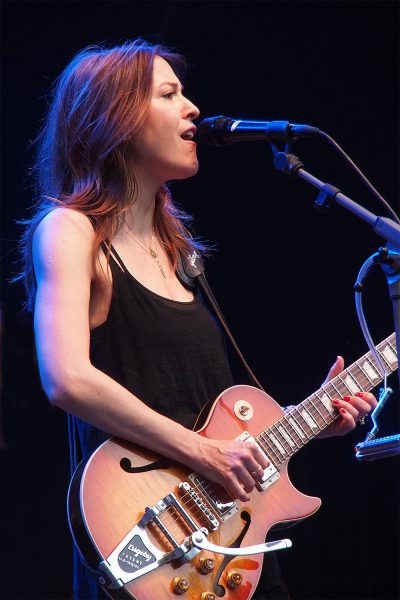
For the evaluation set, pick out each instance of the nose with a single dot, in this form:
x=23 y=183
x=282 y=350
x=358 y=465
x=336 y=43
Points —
x=190 y=111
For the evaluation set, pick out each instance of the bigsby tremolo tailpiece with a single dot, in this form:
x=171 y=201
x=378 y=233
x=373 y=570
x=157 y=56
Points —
x=137 y=554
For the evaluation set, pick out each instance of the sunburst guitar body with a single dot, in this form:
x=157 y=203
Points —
x=133 y=513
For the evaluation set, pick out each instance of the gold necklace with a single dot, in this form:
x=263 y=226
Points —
x=149 y=250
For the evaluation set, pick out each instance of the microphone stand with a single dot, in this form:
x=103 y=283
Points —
x=386 y=228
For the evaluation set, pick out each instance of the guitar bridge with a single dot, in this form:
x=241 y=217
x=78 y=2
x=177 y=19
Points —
x=212 y=520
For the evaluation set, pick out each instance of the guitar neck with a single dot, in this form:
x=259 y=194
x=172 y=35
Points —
x=305 y=421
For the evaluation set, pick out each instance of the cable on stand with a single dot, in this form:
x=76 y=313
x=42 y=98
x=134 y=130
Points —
x=387 y=257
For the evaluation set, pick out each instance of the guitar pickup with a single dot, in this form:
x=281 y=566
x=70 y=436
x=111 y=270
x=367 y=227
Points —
x=271 y=473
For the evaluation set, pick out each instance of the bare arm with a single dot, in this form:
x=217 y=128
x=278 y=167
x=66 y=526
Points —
x=63 y=266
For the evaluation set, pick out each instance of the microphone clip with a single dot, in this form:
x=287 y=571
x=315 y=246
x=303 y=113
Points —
x=286 y=163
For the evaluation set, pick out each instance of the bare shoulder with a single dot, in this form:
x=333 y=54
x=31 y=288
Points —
x=66 y=220
x=63 y=236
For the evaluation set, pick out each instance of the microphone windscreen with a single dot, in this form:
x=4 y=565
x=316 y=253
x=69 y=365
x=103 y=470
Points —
x=212 y=130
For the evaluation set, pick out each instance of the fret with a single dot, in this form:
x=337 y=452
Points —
x=390 y=355
x=273 y=447
x=373 y=369
x=352 y=382
x=294 y=428
x=305 y=428
x=286 y=434
x=331 y=412
x=376 y=365
x=327 y=392
x=281 y=451
x=349 y=384
x=392 y=347
x=314 y=423
x=389 y=352
x=285 y=431
x=313 y=412
x=326 y=410
x=297 y=429
x=360 y=377
x=384 y=359
x=304 y=421
x=315 y=407
x=278 y=445
x=327 y=402
x=263 y=441
x=338 y=392
x=307 y=418
x=371 y=385
x=270 y=451
x=281 y=439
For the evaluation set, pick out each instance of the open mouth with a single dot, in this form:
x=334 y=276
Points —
x=188 y=135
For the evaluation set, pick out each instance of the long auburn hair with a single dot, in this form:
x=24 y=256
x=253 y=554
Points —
x=98 y=105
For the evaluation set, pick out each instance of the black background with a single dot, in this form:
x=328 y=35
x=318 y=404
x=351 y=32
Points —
x=283 y=272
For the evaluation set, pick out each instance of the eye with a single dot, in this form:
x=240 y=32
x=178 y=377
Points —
x=169 y=95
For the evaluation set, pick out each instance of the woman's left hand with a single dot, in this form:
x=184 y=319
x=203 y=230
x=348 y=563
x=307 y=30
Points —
x=351 y=408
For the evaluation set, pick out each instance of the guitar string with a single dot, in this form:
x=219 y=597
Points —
x=171 y=523
x=314 y=411
x=337 y=385
x=286 y=446
x=186 y=499
x=288 y=429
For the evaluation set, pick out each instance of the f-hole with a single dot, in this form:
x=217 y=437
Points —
x=126 y=465
x=219 y=589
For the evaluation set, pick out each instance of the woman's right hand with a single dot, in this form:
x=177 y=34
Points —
x=237 y=466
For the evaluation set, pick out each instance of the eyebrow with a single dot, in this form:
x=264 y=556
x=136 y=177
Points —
x=173 y=84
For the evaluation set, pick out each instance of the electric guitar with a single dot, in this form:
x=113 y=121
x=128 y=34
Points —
x=152 y=529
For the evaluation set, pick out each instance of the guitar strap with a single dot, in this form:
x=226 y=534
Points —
x=190 y=270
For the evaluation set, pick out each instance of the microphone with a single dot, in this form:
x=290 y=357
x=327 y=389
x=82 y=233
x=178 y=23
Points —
x=221 y=131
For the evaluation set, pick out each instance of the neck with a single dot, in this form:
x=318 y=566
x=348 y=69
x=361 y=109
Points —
x=309 y=418
x=139 y=218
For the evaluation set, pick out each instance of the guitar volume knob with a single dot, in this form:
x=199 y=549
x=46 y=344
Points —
x=207 y=596
x=206 y=565
x=180 y=585
x=234 y=579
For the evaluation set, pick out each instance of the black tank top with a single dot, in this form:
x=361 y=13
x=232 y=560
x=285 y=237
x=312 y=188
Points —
x=170 y=354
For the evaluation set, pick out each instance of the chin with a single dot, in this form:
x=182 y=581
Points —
x=185 y=173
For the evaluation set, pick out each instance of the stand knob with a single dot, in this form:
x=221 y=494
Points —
x=180 y=585
x=234 y=579
x=206 y=565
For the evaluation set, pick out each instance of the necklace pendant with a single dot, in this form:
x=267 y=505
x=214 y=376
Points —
x=153 y=253
x=161 y=269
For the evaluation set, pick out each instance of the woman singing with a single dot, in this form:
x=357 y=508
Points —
x=123 y=345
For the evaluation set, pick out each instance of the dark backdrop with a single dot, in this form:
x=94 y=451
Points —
x=283 y=272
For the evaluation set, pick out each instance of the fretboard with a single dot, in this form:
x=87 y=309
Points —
x=306 y=420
